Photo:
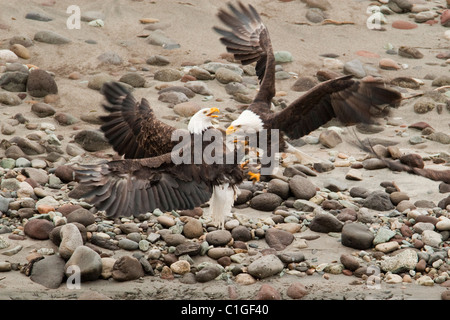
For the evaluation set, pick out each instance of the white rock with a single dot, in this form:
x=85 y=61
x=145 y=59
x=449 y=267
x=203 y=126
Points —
x=70 y=240
x=25 y=190
x=331 y=63
x=97 y=23
x=8 y=56
x=393 y=278
x=447 y=35
x=425 y=281
x=431 y=238
x=443 y=224
x=107 y=267
x=387 y=246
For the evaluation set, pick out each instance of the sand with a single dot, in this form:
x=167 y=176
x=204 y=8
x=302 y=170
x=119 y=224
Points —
x=191 y=25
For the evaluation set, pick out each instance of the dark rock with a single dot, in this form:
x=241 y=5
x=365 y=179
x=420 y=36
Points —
x=14 y=81
x=378 y=200
x=330 y=138
x=218 y=237
x=296 y=290
x=278 y=239
x=302 y=188
x=267 y=292
x=278 y=187
x=304 y=83
x=413 y=160
x=40 y=83
x=133 y=79
x=92 y=140
x=65 y=173
x=48 y=272
x=325 y=222
x=208 y=273
x=289 y=257
x=241 y=233
x=349 y=262
x=88 y=261
x=244 y=196
x=127 y=268
x=50 y=37
x=43 y=110
x=357 y=236
x=38 y=229
x=83 y=216
x=189 y=247
x=265 y=202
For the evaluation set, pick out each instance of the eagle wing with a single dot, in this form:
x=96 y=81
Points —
x=131 y=127
x=249 y=42
x=135 y=186
x=350 y=101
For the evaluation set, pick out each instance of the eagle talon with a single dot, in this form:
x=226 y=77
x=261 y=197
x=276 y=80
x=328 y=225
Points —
x=243 y=165
x=254 y=176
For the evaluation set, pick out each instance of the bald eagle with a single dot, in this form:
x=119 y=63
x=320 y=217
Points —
x=150 y=177
x=349 y=100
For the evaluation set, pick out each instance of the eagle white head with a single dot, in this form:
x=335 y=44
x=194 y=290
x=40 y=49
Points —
x=247 y=122
x=202 y=120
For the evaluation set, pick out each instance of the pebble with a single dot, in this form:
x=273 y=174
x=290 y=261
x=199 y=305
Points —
x=9 y=99
x=5 y=266
x=180 y=267
x=241 y=233
x=325 y=223
x=88 y=261
x=22 y=40
x=244 y=279
x=193 y=228
x=127 y=268
x=208 y=273
x=356 y=235
x=217 y=253
x=443 y=224
x=265 y=266
x=91 y=140
x=356 y=68
x=38 y=229
x=8 y=56
x=168 y=75
x=267 y=292
x=425 y=281
x=383 y=235
x=50 y=37
x=110 y=57
x=431 y=238
x=283 y=57
x=278 y=239
x=20 y=51
x=389 y=64
x=188 y=248
x=404 y=261
x=302 y=188
x=48 y=272
x=409 y=52
x=38 y=16
x=330 y=138
x=387 y=246
x=40 y=83
x=349 y=262
x=70 y=240
x=128 y=244
x=97 y=81
x=158 y=60
x=83 y=216
x=134 y=79
x=379 y=201
x=265 y=202
x=218 y=237
x=392 y=278
x=199 y=87
x=107 y=267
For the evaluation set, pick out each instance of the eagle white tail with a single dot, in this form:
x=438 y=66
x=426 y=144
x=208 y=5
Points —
x=221 y=202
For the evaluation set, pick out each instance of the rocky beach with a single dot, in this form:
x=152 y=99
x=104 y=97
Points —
x=345 y=227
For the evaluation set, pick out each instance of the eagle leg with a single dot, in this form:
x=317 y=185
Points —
x=254 y=176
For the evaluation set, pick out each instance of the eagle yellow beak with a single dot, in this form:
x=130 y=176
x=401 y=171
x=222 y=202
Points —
x=212 y=111
x=230 y=130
